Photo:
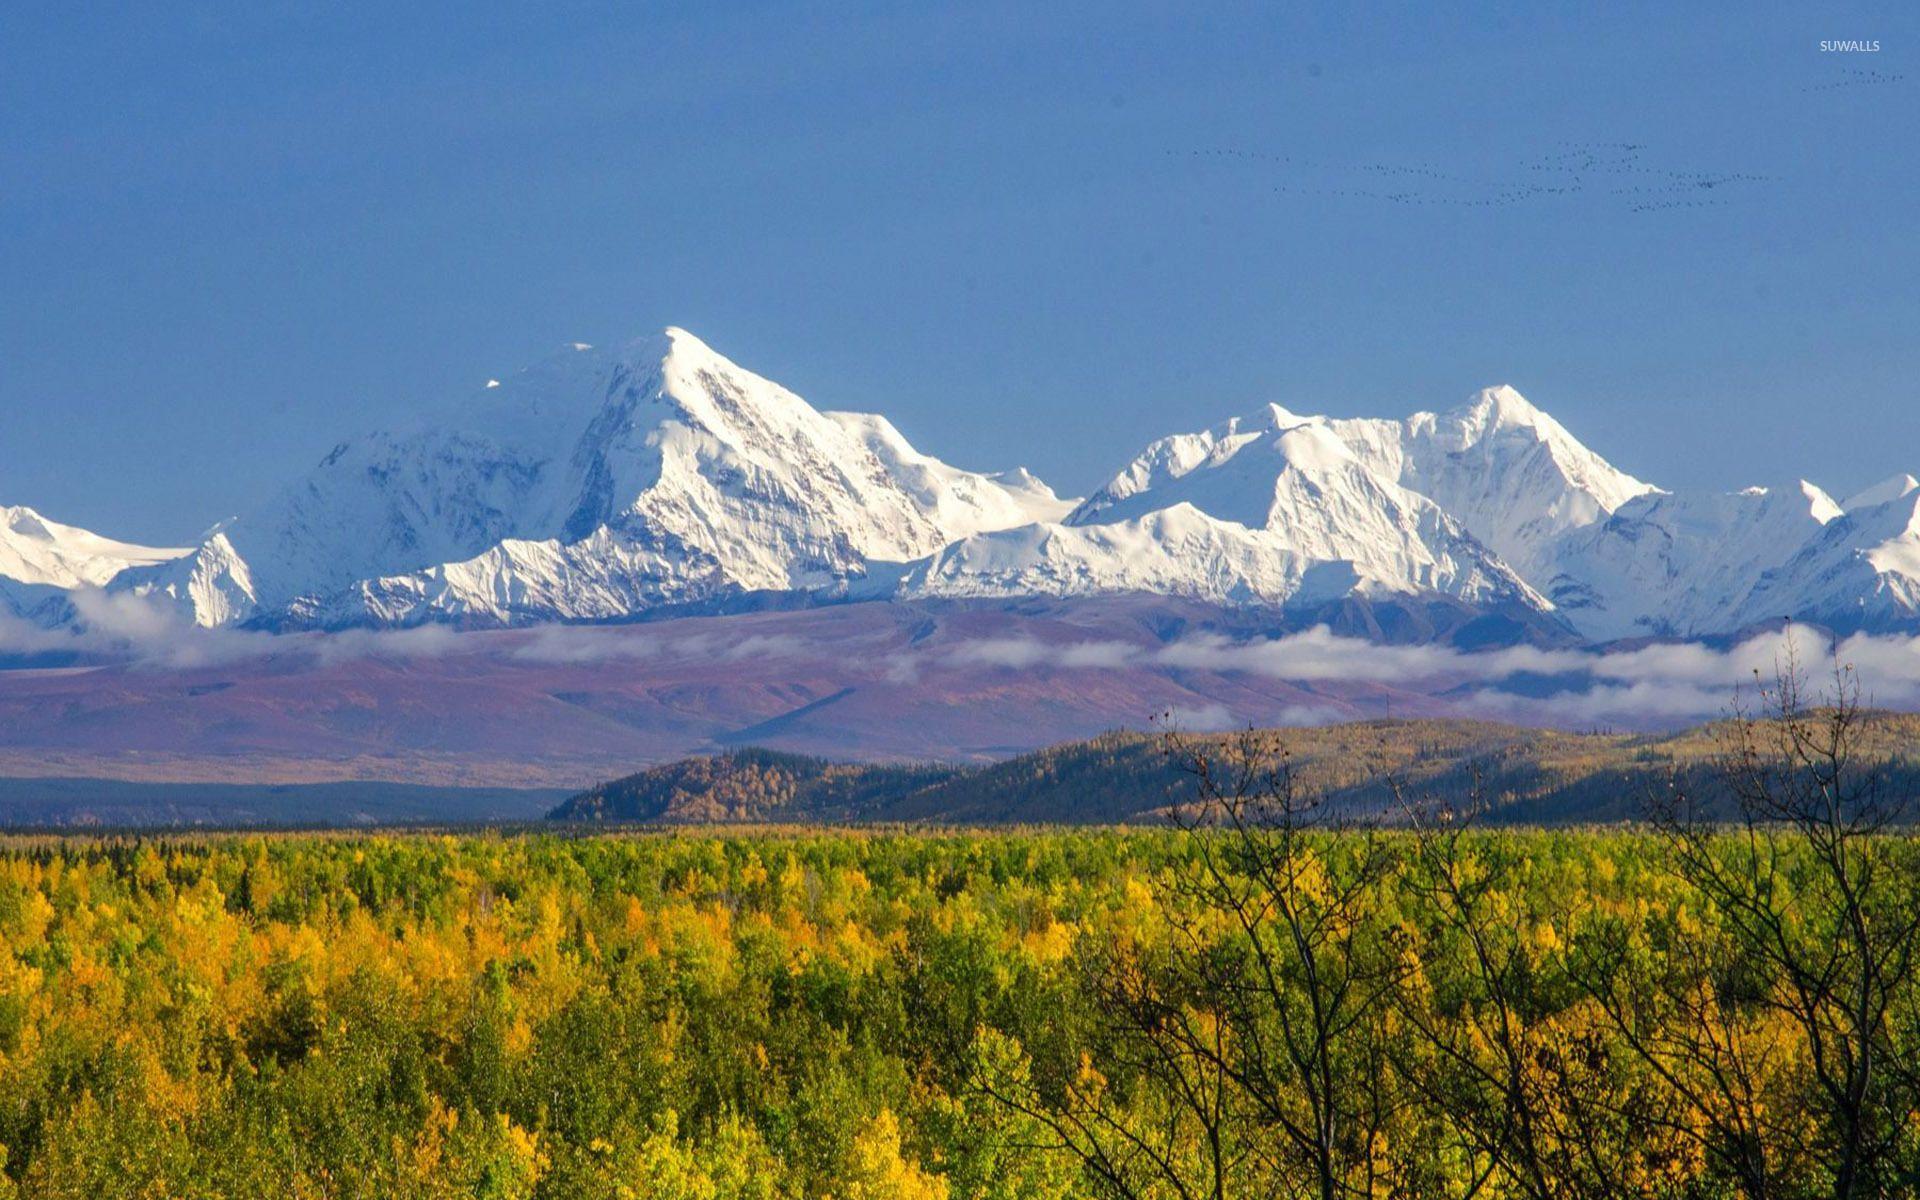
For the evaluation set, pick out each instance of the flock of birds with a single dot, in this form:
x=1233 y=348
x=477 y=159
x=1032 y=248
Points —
x=1852 y=77
x=1614 y=170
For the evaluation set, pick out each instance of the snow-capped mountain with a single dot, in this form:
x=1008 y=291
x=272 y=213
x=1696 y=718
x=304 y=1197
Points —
x=1887 y=489
x=1508 y=473
x=1274 y=508
x=608 y=484
x=1493 y=502
x=1860 y=572
x=1675 y=564
x=41 y=560
x=596 y=484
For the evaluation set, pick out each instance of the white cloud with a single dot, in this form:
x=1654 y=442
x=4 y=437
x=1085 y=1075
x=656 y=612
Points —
x=18 y=636
x=1014 y=652
x=1655 y=684
x=757 y=646
x=569 y=644
x=1661 y=683
x=420 y=641
x=1098 y=655
x=155 y=635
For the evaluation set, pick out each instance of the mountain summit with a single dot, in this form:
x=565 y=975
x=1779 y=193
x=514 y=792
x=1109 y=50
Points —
x=42 y=560
x=1273 y=508
x=594 y=484
x=605 y=484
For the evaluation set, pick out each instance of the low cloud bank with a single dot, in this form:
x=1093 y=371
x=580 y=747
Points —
x=1653 y=684
x=125 y=629
x=1656 y=684
x=119 y=627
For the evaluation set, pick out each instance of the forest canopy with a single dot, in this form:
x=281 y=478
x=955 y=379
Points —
x=844 y=1014
x=1260 y=997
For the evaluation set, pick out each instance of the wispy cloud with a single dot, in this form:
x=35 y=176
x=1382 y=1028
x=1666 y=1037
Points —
x=142 y=632
x=579 y=644
x=1657 y=683
x=418 y=642
x=1201 y=718
x=20 y=636
x=1664 y=683
x=1320 y=655
x=587 y=644
x=147 y=634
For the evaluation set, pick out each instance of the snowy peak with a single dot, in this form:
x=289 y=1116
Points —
x=1861 y=571
x=1681 y=563
x=211 y=584
x=42 y=561
x=1274 y=508
x=597 y=482
x=1820 y=506
x=1884 y=492
x=1172 y=458
x=607 y=482
x=960 y=502
x=39 y=552
x=1493 y=410
x=1511 y=474
x=1496 y=409
x=727 y=400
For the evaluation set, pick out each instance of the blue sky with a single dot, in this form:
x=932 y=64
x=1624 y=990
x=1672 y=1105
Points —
x=232 y=234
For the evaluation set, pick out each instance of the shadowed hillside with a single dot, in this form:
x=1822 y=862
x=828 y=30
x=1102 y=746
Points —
x=751 y=785
x=1524 y=775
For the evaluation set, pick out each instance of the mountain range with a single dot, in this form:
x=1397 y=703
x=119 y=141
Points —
x=660 y=478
